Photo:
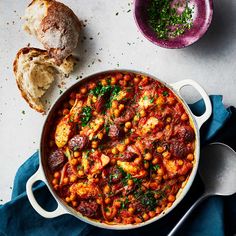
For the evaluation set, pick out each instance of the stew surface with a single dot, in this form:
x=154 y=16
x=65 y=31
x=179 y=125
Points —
x=121 y=148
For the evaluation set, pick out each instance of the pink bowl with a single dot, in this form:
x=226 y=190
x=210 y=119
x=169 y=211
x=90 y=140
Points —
x=203 y=11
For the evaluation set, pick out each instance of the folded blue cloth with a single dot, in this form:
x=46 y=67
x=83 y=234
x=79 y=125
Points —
x=215 y=216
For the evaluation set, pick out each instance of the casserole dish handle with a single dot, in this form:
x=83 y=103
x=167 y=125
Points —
x=204 y=117
x=38 y=176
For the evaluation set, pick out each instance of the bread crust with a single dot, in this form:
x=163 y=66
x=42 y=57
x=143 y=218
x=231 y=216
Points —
x=43 y=58
x=59 y=29
x=23 y=51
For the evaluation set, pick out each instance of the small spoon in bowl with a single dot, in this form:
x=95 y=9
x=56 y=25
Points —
x=217 y=169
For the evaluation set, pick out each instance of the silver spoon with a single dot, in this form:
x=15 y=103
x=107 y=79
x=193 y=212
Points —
x=217 y=169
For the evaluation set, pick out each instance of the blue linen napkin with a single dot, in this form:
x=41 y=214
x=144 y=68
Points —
x=215 y=216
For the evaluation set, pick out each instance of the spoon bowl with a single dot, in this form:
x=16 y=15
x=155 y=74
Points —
x=217 y=169
x=202 y=16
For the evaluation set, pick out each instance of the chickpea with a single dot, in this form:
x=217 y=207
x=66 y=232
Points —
x=100 y=136
x=121 y=107
x=72 y=102
x=160 y=149
x=158 y=210
x=165 y=177
x=74 y=162
x=103 y=82
x=72 y=197
x=136 y=80
x=127 y=77
x=106 y=189
x=171 y=198
x=56 y=187
x=136 y=118
x=143 y=172
x=126 y=130
x=130 y=182
x=166 y=154
x=83 y=90
x=67 y=199
x=145 y=216
x=116 y=112
x=168 y=119
x=142 y=113
x=160 y=172
x=160 y=101
x=113 y=80
x=113 y=161
x=117 y=204
x=119 y=76
x=171 y=100
x=159 y=178
x=180 y=162
x=123 y=82
x=151 y=214
x=167 y=127
x=128 y=125
x=94 y=144
x=76 y=154
x=94 y=113
x=181 y=178
x=96 y=180
x=94 y=99
x=114 y=104
x=184 y=117
x=114 y=150
x=145 y=80
x=107 y=200
x=99 y=201
x=127 y=141
x=131 y=210
x=92 y=85
x=55 y=181
x=73 y=178
x=138 y=160
x=155 y=161
x=80 y=172
x=148 y=156
x=74 y=203
x=138 y=220
x=65 y=180
x=57 y=175
x=190 y=157
x=65 y=111
x=121 y=147
x=146 y=165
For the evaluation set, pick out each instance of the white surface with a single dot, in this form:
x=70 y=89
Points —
x=116 y=43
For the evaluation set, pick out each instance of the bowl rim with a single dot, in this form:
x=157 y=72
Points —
x=166 y=43
x=182 y=191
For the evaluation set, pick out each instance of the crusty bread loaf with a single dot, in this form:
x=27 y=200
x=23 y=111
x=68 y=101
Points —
x=35 y=71
x=54 y=25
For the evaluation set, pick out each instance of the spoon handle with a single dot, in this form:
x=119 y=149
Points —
x=181 y=221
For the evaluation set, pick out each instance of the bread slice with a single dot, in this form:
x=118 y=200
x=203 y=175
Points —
x=35 y=71
x=55 y=25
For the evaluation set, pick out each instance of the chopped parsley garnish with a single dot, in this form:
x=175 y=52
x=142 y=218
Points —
x=165 y=93
x=166 y=18
x=86 y=115
x=145 y=98
x=148 y=200
x=155 y=167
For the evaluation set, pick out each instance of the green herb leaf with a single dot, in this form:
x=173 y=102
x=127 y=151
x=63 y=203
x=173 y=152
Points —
x=86 y=115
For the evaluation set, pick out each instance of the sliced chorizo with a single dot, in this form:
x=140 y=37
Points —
x=56 y=160
x=77 y=143
x=88 y=208
x=115 y=132
x=178 y=148
x=128 y=115
x=186 y=133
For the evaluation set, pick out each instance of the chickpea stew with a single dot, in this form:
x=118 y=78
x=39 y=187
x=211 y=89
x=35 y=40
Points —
x=121 y=148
